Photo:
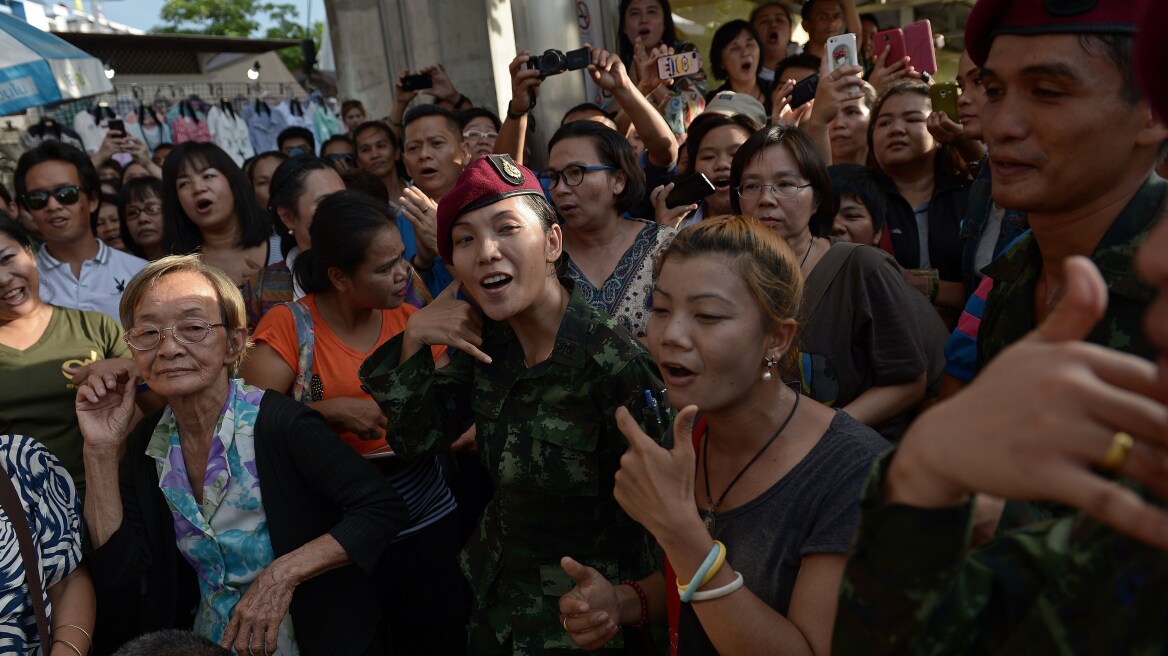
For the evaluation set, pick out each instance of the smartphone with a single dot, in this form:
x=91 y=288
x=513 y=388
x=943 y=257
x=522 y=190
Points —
x=804 y=91
x=891 y=40
x=944 y=96
x=689 y=190
x=679 y=65
x=918 y=43
x=117 y=125
x=417 y=82
x=842 y=49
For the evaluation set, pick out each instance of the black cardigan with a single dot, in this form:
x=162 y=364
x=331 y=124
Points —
x=311 y=483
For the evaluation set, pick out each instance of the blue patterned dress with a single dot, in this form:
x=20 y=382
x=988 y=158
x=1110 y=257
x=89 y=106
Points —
x=225 y=538
x=53 y=513
x=627 y=294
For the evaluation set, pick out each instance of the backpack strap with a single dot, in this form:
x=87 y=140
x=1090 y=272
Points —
x=823 y=274
x=10 y=501
x=302 y=386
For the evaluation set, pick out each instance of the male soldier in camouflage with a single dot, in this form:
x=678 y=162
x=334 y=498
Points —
x=1053 y=419
x=1072 y=143
x=540 y=374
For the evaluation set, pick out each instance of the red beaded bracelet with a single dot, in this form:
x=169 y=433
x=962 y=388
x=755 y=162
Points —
x=644 y=602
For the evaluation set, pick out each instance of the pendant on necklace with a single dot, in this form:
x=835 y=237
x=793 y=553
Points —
x=709 y=522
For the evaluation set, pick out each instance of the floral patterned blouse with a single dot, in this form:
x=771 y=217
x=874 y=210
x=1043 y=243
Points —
x=627 y=294
x=225 y=537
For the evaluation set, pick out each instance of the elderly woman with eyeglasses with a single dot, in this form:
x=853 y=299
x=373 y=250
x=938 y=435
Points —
x=276 y=521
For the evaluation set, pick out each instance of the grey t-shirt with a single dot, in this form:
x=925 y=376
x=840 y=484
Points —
x=814 y=509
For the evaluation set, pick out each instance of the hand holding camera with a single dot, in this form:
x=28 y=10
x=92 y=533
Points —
x=554 y=62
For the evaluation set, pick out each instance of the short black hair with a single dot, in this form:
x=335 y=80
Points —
x=707 y=123
x=336 y=138
x=424 y=111
x=811 y=166
x=801 y=60
x=722 y=38
x=586 y=107
x=105 y=199
x=870 y=18
x=250 y=164
x=805 y=10
x=180 y=235
x=295 y=132
x=466 y=116
x=55 y=151
x=376 y=125
x=11 y=228
x=136 y=191
x=342 y=230
x=872 y=188
x=613 y=150
x=365 y=182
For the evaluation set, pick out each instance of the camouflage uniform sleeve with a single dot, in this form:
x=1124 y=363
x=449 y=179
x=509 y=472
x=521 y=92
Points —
x=425 y=409
x=911 y=586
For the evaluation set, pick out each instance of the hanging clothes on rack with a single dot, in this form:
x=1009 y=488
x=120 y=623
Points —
x=187 y=124
x=153 y=127
x=229 y=131
x=325 y=124
x=294 y=115
x=91 y=125
x=49 y=130
x=263 y=125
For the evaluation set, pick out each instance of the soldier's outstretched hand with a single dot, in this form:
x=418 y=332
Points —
x=447 y=321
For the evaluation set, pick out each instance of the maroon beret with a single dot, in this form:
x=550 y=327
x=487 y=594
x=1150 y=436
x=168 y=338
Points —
x=488 y=180
x=1150 y=54
x=991 y=18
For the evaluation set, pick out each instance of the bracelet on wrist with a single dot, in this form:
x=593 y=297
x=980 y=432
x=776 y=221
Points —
x=708 y=595
x=705 y=573
x=644 y=599
x=515 y=116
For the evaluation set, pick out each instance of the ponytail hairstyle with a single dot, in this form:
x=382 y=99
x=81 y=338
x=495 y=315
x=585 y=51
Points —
x=286 y=188
x=343 y=227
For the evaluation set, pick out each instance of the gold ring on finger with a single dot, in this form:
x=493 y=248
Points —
x=564 y=622
x=1117 y=452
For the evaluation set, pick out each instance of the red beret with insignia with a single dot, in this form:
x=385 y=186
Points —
x=488 y=180
x=991 y=18
x=1150 y=54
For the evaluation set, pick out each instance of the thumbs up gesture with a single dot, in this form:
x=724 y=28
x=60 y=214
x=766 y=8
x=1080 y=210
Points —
x=1044 y=420
x=655 y=485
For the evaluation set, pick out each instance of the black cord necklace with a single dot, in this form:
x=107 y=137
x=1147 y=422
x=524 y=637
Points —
x=712 y=507
x=810 y=244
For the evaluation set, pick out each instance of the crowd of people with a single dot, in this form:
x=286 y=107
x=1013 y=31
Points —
x=897 y=381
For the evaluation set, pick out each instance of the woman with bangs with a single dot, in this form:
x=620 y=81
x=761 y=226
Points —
x=933 y=182
x=764 y=483
x=208 y=208
x=647 y=33
x=736 y=57
x=594 y=180
x=871 y=346
x=713 y=141
x=140 y=211
x=379 y=151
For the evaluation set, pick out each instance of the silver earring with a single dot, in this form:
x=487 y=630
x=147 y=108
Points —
x=770 y=363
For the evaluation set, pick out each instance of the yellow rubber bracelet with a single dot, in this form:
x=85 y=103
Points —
x=718 y=562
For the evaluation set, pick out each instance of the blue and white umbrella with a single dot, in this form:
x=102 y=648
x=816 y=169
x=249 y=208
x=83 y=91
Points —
x=37 y=68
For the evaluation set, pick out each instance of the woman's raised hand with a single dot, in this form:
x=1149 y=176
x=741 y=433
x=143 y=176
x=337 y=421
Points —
x=524 y=83
x=655 y=485
x=671 y=217
x=105 y=407
x=446 y=321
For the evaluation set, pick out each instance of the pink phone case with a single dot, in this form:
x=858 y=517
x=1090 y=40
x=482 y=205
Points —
x=894 y=39
x=918 y=42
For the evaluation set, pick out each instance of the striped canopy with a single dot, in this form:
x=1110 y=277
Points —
x=37 y=68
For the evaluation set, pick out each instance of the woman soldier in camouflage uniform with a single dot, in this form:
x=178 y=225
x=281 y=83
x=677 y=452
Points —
x=539 y=374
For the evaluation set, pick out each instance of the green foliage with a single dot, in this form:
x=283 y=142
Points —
x=239 y=18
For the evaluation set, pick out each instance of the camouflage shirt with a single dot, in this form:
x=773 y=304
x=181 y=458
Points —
x=1065 y=586
x=1009 y=309
x=548 y=436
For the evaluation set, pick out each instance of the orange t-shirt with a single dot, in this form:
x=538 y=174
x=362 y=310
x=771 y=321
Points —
x=333 y=360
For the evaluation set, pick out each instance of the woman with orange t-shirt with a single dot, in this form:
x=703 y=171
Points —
x=355 y=279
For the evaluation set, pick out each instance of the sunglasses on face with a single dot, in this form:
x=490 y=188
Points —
x=340 y=157
x=65 y=195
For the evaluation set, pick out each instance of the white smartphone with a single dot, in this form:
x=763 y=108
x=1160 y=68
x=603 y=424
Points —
x=842 y=49
x=679 y=65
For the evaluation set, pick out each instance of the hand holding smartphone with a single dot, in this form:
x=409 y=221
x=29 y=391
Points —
x=841 y=50
x=681 y=64
x=690 y=190
x=944 y=96
x=891 y=40
x=117 y=125
x=804 y=92
x=918 y=43
x=417 y=82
